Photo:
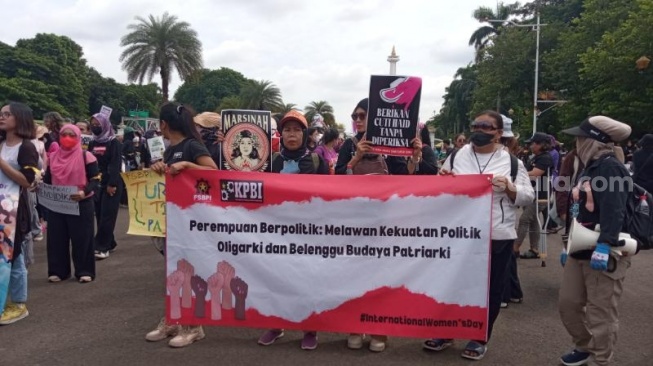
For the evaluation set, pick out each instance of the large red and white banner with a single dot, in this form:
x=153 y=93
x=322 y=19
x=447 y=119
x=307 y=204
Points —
x=395 y=255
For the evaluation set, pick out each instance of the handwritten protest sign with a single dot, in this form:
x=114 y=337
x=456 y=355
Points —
x=156 y=147
x=262 y=250
x=393 y=114
x=57 y=198
x=147 y=207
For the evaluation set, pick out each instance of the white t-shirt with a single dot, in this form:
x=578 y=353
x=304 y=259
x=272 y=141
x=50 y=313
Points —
x=10 y=153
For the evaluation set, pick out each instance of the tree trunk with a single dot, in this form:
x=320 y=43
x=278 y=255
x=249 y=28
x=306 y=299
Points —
x=165 y=80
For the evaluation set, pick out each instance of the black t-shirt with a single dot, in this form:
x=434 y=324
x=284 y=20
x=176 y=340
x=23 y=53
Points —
x=187 y=150
x=544 y=162
x=109 y=160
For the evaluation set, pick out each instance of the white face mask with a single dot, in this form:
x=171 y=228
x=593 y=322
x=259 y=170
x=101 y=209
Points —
x=318 y=137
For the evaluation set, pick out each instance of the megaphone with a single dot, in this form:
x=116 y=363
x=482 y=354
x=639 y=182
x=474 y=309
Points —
x=582 y=238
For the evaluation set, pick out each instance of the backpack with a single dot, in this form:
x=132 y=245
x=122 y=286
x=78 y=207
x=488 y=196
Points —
x=370 y=164
x=638 y=220
x=514 y=164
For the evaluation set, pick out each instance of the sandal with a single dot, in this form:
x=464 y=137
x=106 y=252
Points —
x=474 y=351
x=437 y=344
x=531 y=254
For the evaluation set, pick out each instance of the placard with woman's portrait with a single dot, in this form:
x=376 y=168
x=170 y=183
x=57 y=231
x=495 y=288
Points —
x=246 y=145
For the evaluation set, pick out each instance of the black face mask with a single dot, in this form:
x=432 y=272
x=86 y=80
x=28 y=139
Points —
x=481 y=139
x=209 y=135
x=97 y=130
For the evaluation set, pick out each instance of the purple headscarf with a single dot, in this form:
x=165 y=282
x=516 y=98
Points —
x=107 y=130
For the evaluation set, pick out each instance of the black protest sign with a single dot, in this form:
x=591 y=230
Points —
x=246 y=145
x=393 y=114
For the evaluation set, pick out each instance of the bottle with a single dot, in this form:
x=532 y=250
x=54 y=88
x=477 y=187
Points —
x=350 y=171
x=643 y=208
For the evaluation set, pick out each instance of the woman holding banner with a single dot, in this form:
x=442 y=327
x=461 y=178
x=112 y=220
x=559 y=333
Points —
x=18 y=169
x=354 y=158
x=512 y=188
x=72 y=166
x=295 y=158
x=186 y=151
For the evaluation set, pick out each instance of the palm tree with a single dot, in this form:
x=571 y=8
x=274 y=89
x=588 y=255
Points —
x=261 y=95
x=230 y=102
x=496 y=20
x=285 y=108
x=157 y=45
x=322 y=107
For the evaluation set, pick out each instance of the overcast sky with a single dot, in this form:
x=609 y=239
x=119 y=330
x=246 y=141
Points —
x=312 y=50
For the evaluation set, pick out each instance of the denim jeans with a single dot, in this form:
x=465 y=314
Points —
x=18 y=280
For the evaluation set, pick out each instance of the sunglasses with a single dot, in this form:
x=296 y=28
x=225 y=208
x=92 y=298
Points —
x=357 y=116
x=483 y=126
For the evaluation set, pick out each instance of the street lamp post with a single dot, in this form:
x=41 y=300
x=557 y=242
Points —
x=537 y=70
x=535 y=26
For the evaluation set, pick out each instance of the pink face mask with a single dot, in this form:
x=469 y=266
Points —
x=67 y=142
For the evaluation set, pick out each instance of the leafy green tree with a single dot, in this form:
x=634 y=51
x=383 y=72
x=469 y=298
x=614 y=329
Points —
x=206 y=89
x=454 y=115
x=261 y=95
x=159 y=45
x=120 y=97
x=561 y=64
x=621 y=91
x=321 y=107
x=231 y=102
x=56 y=61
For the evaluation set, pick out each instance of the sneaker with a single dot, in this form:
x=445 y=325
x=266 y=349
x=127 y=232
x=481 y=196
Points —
x=553 y=230
x=54 y=279
x=530 y=254
x=504 y=305
x=186 y=336
x=270 y=337
x=13 y=313
x=38 y=237
x=162 y=331
x=310 y=341
x=355 y=341
x=101 y=255
x=575 y=358
x=377 y=345
x=437 y=344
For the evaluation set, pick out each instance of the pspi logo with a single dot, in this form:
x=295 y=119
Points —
x=241 y=190
x=202 y=190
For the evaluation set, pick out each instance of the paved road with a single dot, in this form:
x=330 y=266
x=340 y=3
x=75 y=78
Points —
x=103 y=323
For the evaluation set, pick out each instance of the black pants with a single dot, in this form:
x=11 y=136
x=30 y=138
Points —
x=64 y=229
x=512 y=284
x=106 y=214
x=501 y=251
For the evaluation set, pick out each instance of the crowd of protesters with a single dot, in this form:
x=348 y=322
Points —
x=58 y=154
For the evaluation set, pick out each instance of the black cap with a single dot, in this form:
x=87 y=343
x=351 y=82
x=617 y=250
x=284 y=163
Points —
x=587 y=129
x=538 y=138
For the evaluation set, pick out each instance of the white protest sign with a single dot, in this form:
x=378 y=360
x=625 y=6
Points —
x=57 y=198
x=156 y=147
x=106 y=111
